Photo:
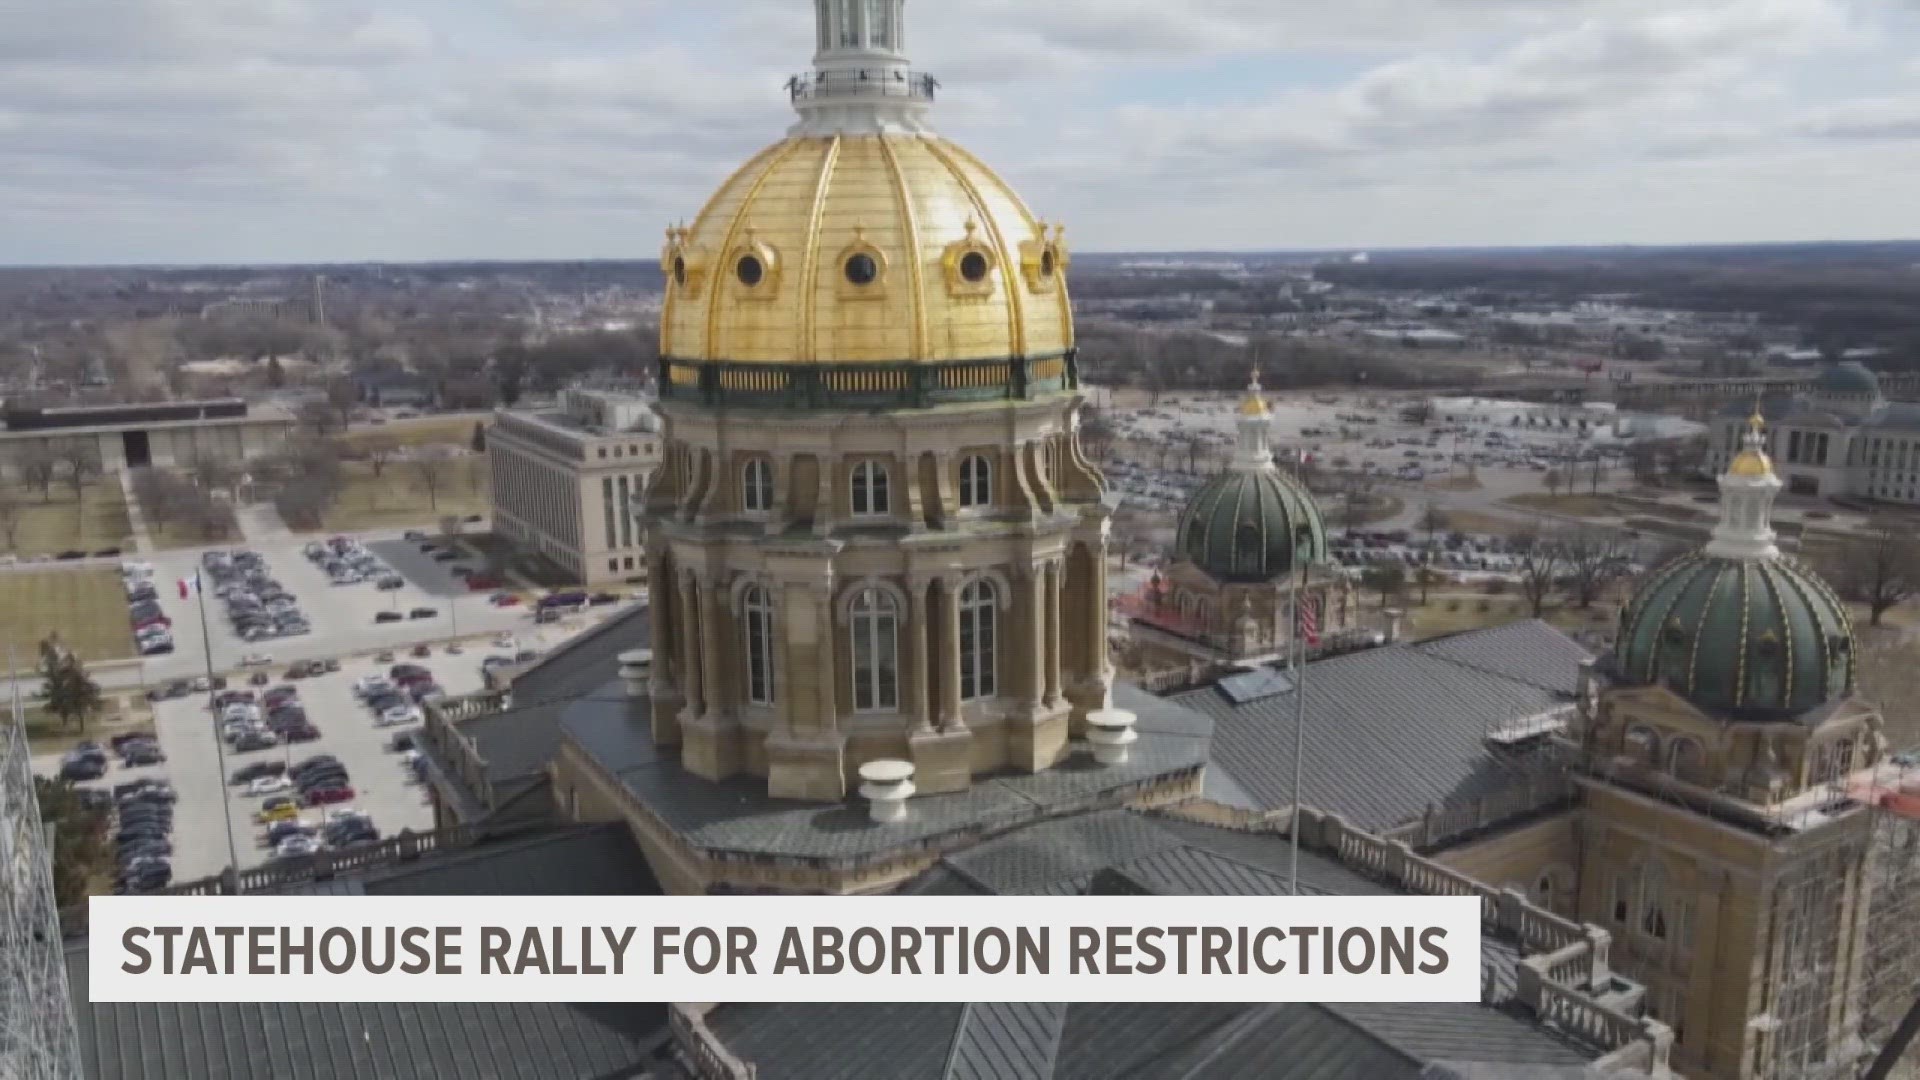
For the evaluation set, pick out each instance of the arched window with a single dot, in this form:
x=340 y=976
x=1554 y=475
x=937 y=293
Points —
x=870 y=489
x=1653 y=902
x=880 y=23
x=849 y=25
x=876 y=658
x=1683 y=755
x=758 y=608
x=978 y=606
x=1643 y=744
x=976 y=482
x=756 y=486
x=1543 y=889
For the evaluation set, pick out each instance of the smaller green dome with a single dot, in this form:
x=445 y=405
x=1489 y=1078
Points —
x=1758 y=639
x=1847 y=377
x=1251 y=526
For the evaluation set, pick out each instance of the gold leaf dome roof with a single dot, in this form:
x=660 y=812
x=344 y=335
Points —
x=865 y=248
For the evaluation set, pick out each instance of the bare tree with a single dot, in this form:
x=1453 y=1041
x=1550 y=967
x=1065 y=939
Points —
x=82 y=461
x=380 y=451
x=1596 y=475
x=1879 y=567
x=1552 y=480
x=1426 y=577
x=342 y=397
x=430 y=468
x=450 y=529
x=211 y=474
x=303 y=502
x=1592 y=558
x=1540 y=561
x=1388 y=578
x=10 y=511
x=321 y=417
x=39 y=466
x=1433 y=521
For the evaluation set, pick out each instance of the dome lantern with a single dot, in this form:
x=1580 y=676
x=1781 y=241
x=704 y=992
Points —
x=1256 y=428
x=1747 y=491
x=861 y=83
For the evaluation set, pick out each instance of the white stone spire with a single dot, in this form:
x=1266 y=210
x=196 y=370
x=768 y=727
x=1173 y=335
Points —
x=1747 y=490
x=1255 y=450
x=860 y=83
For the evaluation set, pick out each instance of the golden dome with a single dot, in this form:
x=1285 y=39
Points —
x=865 y=248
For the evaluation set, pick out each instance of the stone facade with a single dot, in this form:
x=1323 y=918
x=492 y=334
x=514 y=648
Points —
x=834 y=602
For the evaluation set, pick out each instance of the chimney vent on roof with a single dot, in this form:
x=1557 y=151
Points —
x=635 y=667
x=1110 y=730
x=887 y=784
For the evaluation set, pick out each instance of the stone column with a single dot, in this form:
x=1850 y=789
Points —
x=1034 y=667
x=805 y=754
x=823 y=515
x=944 y=758
x=918 y=668
x=713 y=621
x=829 y=715
x=1052 y=652
x=689 y=620
x=665 y=689
x=949 y=645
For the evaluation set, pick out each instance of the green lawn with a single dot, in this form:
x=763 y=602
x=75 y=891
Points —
x=87 y=606
x=97 y=521
x=397 y=498
x=47 y=734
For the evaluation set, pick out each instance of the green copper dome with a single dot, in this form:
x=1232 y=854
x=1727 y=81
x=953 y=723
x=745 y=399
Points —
x=1847 y=377
x=1250 y=526
x=1752 y=638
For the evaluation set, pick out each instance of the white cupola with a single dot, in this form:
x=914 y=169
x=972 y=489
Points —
x=1747 y=491
x=860 y=83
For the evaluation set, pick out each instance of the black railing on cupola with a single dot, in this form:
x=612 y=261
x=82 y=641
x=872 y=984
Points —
x=875 y=82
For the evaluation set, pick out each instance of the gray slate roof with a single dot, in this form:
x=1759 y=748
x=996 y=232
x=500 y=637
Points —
x=553 y=1041
x=737 y=815
x=1197 y=1041
x=1392 y=730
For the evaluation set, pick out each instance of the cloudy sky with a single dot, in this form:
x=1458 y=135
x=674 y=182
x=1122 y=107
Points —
x=345 y=130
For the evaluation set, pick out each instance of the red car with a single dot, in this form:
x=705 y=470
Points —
x=324 y=796
x=506 y=599
x=156 y=620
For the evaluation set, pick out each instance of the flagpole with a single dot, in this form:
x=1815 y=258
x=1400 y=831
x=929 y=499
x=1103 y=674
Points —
x=1299 y=710
x=219 y=743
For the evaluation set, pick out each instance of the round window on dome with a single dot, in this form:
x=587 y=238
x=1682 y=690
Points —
x=861 y=269
x=1046 y=264
x=680 y=271
x=973 y=266
x=751 y=271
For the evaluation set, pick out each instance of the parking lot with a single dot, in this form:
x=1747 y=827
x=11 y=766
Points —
x=341 y=617
x=200 y=764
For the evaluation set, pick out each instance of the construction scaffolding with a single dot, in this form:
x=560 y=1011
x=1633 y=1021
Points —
x=39 y=1039
x=1890 y=961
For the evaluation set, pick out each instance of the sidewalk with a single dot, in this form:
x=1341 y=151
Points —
x=260 y=523
x=136 y=519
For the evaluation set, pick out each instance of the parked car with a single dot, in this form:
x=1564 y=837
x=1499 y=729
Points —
x=414 y=535
x=296 y=845
x=87 y=768
x=390 y=583
x=423 y=650
x=505 y=600
x=247 y=774
x=327 y=796
x=137 y=754
x=424 y=613
x=268 y=785
x=388 y=617
x=256 y=660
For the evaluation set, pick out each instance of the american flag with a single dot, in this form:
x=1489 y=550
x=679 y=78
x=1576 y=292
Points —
x=1309 y=620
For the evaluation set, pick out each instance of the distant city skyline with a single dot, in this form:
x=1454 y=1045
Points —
x=306 y=131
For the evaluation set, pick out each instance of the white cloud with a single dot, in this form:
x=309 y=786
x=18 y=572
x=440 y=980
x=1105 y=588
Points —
x=291 y=129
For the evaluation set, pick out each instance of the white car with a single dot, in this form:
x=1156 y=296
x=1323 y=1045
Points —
x=346 y=813
x=268 y=785
x=241 y=712
x=504 y=641
x=258 y=659
x=397 y=716
x=371 y=685
x=297 y=845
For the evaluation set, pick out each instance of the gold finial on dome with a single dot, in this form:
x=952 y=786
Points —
x=1254 y=405
x=1753 y=461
